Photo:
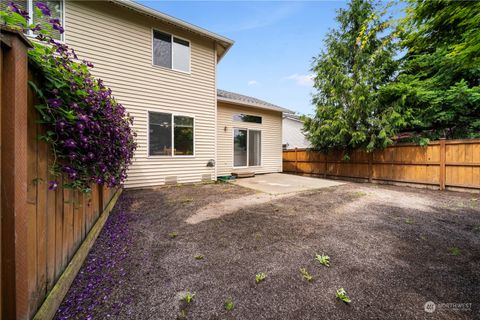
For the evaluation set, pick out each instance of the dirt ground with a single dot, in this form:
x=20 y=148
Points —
x=391 y=248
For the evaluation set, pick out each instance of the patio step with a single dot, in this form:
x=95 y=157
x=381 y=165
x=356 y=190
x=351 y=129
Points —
x=244 y=174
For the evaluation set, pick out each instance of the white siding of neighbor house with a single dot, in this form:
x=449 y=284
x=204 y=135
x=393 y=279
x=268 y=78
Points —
x=271 y=128
x=119 y=42
x=293 y=135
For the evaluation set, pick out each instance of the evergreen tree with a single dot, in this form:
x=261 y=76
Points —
x=357 y=62
x=439 y=82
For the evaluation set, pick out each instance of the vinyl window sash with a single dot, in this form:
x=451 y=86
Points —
x=31 y=8
x=172 y=37
x=172 y=119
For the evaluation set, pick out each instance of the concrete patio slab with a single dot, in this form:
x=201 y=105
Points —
x=279 y=183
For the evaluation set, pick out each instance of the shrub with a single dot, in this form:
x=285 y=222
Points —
x=88 y=131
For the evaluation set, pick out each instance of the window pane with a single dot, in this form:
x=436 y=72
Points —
x=162 y=49
x=4 y=4
x=239 y=148
x=181 y=55
x=183 y=136
x=160 y=134
x=246 y=118
x=254 y=148
x=56 y=13
x=22 y=4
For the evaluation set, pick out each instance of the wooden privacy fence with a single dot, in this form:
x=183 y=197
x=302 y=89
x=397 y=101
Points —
x=443 y=163
x=45 y=234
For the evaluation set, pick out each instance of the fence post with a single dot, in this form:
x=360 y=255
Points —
x=13 y=186
x=296 y=161
x=443 y=155
x=370 y=160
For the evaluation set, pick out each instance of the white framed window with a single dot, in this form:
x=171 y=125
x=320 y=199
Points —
x=170 y=134
x=56 y=10
x=247 y=148
x=170 y=51
x=240 y=117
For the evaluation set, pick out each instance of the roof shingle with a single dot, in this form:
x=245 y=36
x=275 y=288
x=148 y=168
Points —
x=227 y=96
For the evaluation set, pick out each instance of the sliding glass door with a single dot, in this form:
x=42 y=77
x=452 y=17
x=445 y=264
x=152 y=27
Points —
x=254 y=147
x=247 y=147
x=239 y=147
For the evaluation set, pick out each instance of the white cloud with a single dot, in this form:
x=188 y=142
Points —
x=253 y=83
x=305 y=80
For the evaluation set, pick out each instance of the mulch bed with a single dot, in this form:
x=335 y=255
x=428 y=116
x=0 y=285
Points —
x=391 y=248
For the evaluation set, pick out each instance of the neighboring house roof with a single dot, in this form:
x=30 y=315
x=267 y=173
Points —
x=292 y=116
x=223 y=43
x=240 y=99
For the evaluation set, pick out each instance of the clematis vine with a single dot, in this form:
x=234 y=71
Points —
x=88 y=130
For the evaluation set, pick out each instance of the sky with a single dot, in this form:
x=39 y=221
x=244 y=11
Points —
x=275 y=42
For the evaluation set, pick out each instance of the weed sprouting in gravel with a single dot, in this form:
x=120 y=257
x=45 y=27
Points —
x=229 y=304
x=323 y=259
x=342 y=295
x=454 y=251
x=259 y=277
x=360 y=194
x=306 y=275
x=187 y=297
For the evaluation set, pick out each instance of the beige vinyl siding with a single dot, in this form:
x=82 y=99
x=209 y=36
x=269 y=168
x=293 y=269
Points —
x=119 y=43
x=271 y=128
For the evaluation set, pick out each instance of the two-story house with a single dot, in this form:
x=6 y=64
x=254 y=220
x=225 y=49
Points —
x=163 y=70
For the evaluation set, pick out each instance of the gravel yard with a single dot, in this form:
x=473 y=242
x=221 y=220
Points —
x=391 y=248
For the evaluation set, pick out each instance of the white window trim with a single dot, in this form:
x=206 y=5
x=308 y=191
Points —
x=172 y=115
x=30 y=34
x=248 y=144
x=171 y=39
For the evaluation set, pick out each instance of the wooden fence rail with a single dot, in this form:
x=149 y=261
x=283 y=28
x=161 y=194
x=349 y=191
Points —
x=447 y=164
x=41 y=230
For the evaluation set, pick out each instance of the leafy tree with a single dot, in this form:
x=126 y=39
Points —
x=439 y=82
x=357 y=62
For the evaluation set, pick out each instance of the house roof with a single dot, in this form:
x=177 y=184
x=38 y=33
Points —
x=223 y=43
x=292 y=116
x=240 y=99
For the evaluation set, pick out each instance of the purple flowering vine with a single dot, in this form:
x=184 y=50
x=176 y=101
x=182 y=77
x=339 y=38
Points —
x=88 y=130
x=43 y=8
x=17 y=9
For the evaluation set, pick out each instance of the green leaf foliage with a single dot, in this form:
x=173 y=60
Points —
x=439 y=79
x=357 y=62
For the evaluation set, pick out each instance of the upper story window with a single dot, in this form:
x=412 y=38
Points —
x=171 y=52
x=56 y=10
x=246 y=118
